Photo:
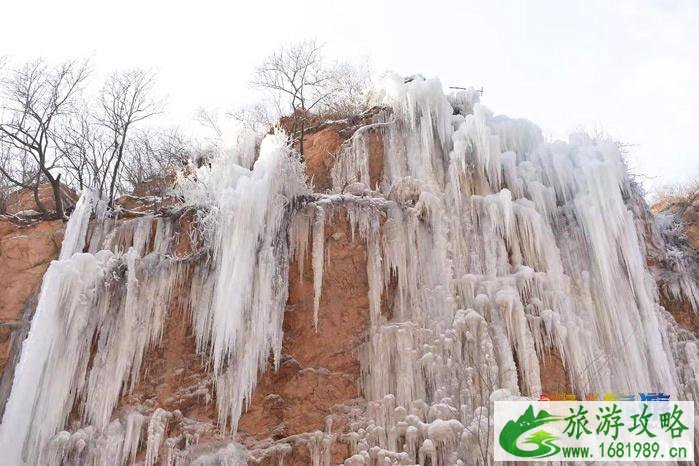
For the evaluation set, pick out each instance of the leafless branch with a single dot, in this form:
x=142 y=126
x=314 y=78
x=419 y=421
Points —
x=125 y=101
x=300 y=84
x=37 y=100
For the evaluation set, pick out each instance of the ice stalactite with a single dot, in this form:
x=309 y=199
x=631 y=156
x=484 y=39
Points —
x=680 y=276
x=156 y=434
x=54 y=353
x=239 y=324
x=502 y=247
x=100 y=311
x=318 y=256
x=96 y=316
x=76 y=229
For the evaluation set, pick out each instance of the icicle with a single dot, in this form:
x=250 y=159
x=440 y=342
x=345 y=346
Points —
x=54 y=350
x=157 y=427
x=242 y=321
x=132 y=436
x=76 y=229
x=318 y=255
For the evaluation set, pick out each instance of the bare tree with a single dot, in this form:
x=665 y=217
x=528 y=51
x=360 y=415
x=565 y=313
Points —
x=205 y=148
x=257 y=117
x=352 y=81
x=125 y=101
x=153 y=153
x=103 y=148
x=5 y=189
x=209 y=119
x=17 y=170
x=84 y=152
x=302 y=84
x=36 y=100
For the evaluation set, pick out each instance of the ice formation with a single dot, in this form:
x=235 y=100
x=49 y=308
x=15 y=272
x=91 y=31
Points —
x=114 y=300
x=500 y=247
x=497 y=248
x=680 y=276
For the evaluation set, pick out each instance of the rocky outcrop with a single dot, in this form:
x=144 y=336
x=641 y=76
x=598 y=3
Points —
x=24 y=200
x=298 y=411
x=674 y=256
x=324 y=144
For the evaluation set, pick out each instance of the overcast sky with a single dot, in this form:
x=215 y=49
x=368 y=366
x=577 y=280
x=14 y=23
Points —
x=629 y=68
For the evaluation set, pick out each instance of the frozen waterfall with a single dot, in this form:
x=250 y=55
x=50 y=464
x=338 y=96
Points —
x=497 y=246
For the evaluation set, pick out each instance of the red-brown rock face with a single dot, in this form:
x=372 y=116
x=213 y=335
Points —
x=24 y=199
x=320 y=369
x=322 y=146
x=680 y=230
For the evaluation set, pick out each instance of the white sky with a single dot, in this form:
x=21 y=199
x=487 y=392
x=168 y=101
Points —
x=627 y=67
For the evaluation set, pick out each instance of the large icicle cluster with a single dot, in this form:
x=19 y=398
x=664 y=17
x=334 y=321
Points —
x=239 y=307
x=99 y=312
x=500 y=247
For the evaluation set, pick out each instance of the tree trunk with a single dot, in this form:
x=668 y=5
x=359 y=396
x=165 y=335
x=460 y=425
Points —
x=303 y=133
x=115 y=175
x=35 y=190
x=112 y=184
x=57 y=195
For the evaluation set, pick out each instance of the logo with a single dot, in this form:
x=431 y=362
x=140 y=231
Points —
x=619 y=430
x=528 y=424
